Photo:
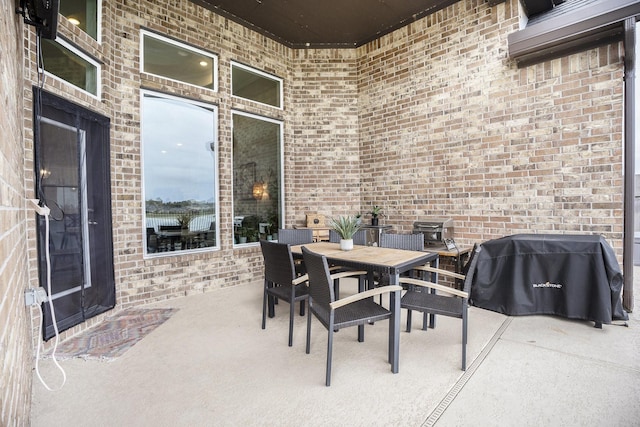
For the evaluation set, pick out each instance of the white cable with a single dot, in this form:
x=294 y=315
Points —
x=53 y=316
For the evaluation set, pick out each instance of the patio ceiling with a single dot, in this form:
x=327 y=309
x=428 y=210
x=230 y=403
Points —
x=326 y=23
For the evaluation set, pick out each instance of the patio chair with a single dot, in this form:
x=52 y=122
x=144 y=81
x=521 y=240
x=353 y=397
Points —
x=410 y=242
x=360 y=238
x=451 y=302
x=356 y=310
x=281 y=281
x=296 y=236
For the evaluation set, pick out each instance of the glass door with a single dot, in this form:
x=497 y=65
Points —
x=72 y=170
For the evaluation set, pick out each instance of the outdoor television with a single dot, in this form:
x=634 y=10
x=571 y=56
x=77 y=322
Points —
x=43 y=14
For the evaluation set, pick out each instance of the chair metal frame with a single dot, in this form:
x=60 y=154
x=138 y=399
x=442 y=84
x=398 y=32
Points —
x=355 y=310
x=281 y=282
x=454 y=304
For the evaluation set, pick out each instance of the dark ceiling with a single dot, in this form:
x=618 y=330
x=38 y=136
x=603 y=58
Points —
x=325 y=23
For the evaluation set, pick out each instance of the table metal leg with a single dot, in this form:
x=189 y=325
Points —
x=434 y=278
x=394 y=325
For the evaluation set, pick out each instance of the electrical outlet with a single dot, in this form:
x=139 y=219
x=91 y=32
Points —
x=30 y=297
x=35 y=296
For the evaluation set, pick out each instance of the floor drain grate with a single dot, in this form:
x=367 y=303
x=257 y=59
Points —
x=451 y=395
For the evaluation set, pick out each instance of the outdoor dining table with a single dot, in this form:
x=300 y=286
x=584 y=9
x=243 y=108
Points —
x=375 y=259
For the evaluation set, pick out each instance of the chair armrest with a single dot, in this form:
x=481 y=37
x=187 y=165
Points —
x=364 y=295
x=440 y=271
x=300 y=279
x=343 y=274
x=432 y=285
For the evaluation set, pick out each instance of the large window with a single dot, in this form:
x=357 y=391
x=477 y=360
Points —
x=257 y=184
x=176 y=61
x=69 y=64
x=255 y=85
x=85 y=14
x=179 y=145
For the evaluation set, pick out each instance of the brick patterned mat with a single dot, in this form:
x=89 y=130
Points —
x=113 y=337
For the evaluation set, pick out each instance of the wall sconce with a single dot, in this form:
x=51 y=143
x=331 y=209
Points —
x=258 y=190
x=45 y=173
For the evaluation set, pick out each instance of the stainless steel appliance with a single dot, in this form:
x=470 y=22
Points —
x=435 y=231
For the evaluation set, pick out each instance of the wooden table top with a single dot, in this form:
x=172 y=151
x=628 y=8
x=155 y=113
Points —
x=384 y=258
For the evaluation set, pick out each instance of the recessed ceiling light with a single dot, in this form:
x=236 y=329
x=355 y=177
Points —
x=204 y=63
x=74 y=21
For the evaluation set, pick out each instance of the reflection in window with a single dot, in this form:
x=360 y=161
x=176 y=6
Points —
x=84 y=14
x=180 y=189
x=257 y=184
x=62 y=60
x=255 y=85
x=176 y=61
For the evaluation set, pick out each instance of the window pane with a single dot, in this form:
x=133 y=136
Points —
x=167 y=58
x=59 y=60
x=82 y=13
x=178 y=139
x=257 y=171
x=255 y=85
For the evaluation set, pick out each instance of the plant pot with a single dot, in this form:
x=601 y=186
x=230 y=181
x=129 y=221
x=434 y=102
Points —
x=346 y=244
x=374 y=221
x=242 y=239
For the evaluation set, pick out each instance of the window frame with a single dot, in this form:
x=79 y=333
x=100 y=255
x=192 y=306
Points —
x=216 y=173
x=183 y=45
x=263 y=74
x=281 y=190
x=98 y=22
x=82 y=55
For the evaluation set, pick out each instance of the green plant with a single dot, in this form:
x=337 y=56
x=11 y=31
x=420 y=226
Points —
x=272 y=222
x=345 y=226
x=243 y=232
x=184 y=219
x=375 y=211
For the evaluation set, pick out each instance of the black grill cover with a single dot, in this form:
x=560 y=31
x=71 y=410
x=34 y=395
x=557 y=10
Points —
x=574 y=276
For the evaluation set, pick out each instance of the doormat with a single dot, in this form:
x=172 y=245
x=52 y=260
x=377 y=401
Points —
x=113 y=337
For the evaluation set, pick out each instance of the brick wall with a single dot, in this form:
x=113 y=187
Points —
x=432 y=119
x=15 y=324
x=323 y=167
x=451 y=127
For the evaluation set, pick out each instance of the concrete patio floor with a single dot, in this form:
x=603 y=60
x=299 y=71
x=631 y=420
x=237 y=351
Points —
x=212 y=365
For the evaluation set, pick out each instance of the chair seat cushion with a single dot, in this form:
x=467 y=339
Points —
x=359 y=313
x=432 y=303
x=284 y=292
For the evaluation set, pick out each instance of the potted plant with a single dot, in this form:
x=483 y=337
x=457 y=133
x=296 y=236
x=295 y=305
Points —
x=346 y=227
x=242 y=234
x=184 y=219
x=253 y=234
x=375 y=212
x=272 y=225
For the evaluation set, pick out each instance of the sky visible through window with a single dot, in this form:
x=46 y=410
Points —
x=178 y=155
